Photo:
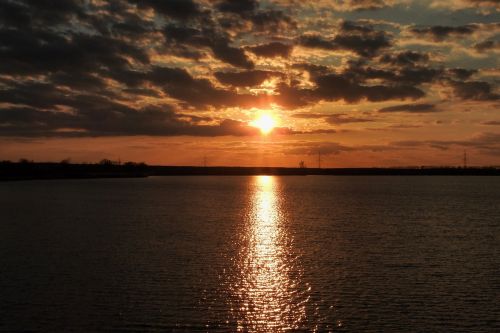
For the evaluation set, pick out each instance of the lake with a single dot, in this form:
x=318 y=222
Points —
x=251 y=254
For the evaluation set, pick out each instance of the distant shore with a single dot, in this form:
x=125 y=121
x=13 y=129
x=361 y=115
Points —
x=26 y=171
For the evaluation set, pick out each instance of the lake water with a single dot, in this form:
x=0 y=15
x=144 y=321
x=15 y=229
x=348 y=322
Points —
x=251 y=254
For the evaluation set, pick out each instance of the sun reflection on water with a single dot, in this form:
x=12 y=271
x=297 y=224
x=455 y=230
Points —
x=268 y=292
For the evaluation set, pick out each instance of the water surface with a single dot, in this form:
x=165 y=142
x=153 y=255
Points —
x=263 y=254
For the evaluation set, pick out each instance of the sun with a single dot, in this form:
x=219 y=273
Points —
x=265 y=123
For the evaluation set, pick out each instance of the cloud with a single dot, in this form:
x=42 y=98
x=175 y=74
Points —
x=474 y=90
x=218 y=43
x=250 y=11
x=483 y=6
x=487 y=45
x=179 y=84
x=354 y=5
x=363 y=40
x=411 y=108
x=272 y=50
x=178 y=9
x=491 y=123
x=309 y=115
x=32 y=52
x=462 y=73
x=334 y=119
x=333 y=87
x=339 y=119
x=485 y=141
x=39 y=13
x=412 y=75
x=440 y=32
x=54 y=103
x=405 y=58
x=241 y=7
x=246 y=78
x=312 y=148
x=114 y=120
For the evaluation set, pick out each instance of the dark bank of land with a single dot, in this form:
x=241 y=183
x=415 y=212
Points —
x=30 y=170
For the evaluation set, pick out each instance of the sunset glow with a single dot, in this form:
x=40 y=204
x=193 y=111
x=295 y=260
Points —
x=265 y=123
x=249 y=165
x=368 y=83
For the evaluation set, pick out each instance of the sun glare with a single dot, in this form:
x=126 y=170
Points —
x=265 y=123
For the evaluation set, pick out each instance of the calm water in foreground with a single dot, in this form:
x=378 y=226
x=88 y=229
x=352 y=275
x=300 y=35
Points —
x=263 y=254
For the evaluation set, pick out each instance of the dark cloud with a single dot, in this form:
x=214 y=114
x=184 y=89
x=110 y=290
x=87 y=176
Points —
x=84 y=81
x=418 y=75
x=409 y=74
x=103 y=110
x=411 y=108
x=142 y=92
x=358 y=27
x=440 y=32
x=250 y=11
x=334 y=119
x=178 y=9
x=24 y=13
x=50 y=111
x=365 y=46
x=491 y=123
x=339 y=119
x=231 y=55
x=245 y=79
x=360 y=39
x=313 y=69
x=34 y=94
x=309 y=115
x=292 y=97
x=29 y=52
x=462 y=73
x=333 y=87
x=218 y=43
x=406 y=58
x=100 y=117
x=474 y=90
x=241 y=7
x=272 y=50
x=120 y=120
x=272 y=19
x=487 y=45
x=179 y=84
x=317 y=41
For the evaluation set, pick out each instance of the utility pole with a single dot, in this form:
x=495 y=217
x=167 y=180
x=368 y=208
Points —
x=205 y=161
x=465 y=159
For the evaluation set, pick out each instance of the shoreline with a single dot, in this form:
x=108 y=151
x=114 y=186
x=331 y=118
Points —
x=33 y=171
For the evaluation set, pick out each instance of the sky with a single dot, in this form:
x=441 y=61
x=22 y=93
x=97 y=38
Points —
x=179 y=82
